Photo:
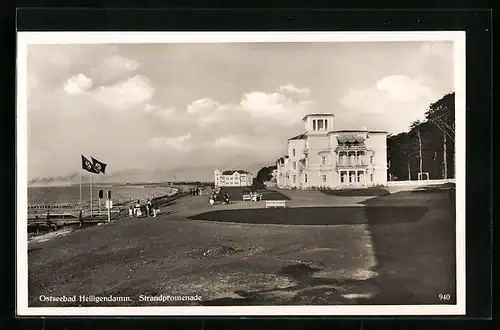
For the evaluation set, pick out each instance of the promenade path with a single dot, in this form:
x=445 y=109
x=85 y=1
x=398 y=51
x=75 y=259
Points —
x=240 y=263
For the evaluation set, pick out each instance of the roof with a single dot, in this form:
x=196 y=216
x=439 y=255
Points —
x=302 y=136
x=230 y=172
x=357 y=131
x=350 y=138
x=317 y=115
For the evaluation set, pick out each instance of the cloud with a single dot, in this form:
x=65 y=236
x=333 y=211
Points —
x=209 y=111
x=176 y=142
x=391 y=103
x=275 y=107
x=234 y=141
x=166 y=114
x=77 y=84
x=433 y=59
x=148 y=108
x=402 y=88
x=202 y=106
x=126 y=94
x=441 y=49
x=114 y=68
x=117 y=62
x=293 y=89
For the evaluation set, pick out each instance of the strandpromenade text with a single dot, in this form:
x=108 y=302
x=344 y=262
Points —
x=117 y=299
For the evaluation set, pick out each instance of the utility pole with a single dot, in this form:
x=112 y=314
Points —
x=419 y=149
x=409 y=168
x=445 y=160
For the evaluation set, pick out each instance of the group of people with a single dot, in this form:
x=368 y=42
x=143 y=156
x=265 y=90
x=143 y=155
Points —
x=151 y=208
x=195 y=191
x=218 y=196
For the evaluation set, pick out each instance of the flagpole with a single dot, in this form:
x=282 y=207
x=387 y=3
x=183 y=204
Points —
x=80 y=189
x=91 y=199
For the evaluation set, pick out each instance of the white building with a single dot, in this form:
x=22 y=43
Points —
x=325 y=157
x=275 y=175
x=233 y=178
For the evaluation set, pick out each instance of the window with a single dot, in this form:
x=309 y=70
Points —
x=320 y=124
x=323 y=160
x=314 y=124
x=359 y=176
x=305 y=178
x=294 y=179
x=342 y=178
x=371 y=159
x=326 y=124
x=294 y=165
x=371 y=177
x=293 y=152
x=324 y=178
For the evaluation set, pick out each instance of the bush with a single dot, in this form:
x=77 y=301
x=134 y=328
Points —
x=257 y=185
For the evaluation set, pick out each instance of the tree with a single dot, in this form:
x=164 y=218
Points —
x=265 y=174
x=398 y=156
x=442 y=114
x=415 y=129
x=425 y=146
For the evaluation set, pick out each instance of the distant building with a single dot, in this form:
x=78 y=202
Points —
x=233 y=178
x=324 y=157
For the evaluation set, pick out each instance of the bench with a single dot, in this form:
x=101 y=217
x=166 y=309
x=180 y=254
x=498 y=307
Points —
x=275 y=204
x=247 y=197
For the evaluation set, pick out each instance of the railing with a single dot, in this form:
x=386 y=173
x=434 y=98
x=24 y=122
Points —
x=52 y=207
x=350 y=148
x=349 y=164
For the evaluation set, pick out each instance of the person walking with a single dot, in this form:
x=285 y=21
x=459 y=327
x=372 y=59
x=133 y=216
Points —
x=155 y=207
x=148 y=207
x=137 y=209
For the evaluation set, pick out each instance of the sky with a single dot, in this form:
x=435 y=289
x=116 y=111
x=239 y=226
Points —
x=225 y=105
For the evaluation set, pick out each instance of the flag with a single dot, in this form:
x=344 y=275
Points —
x=87 y=165
x=99 y=167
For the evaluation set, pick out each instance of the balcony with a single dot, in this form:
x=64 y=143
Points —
x=361 y=147
x=352 y=164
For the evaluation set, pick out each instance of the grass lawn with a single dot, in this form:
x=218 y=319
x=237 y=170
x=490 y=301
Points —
x=318 y=215
x=371 y=191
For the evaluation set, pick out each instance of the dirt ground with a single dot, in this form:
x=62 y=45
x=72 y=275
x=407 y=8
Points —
x=392 y=249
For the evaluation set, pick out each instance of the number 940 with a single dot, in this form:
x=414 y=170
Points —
x=444 y=296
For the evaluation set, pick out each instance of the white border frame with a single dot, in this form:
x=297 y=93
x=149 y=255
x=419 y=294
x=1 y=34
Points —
x=25 y=38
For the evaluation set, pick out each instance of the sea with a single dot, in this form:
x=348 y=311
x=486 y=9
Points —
x=46 y=195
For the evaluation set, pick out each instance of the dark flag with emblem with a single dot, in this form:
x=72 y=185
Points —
x=87 y=165
x=99 y=167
